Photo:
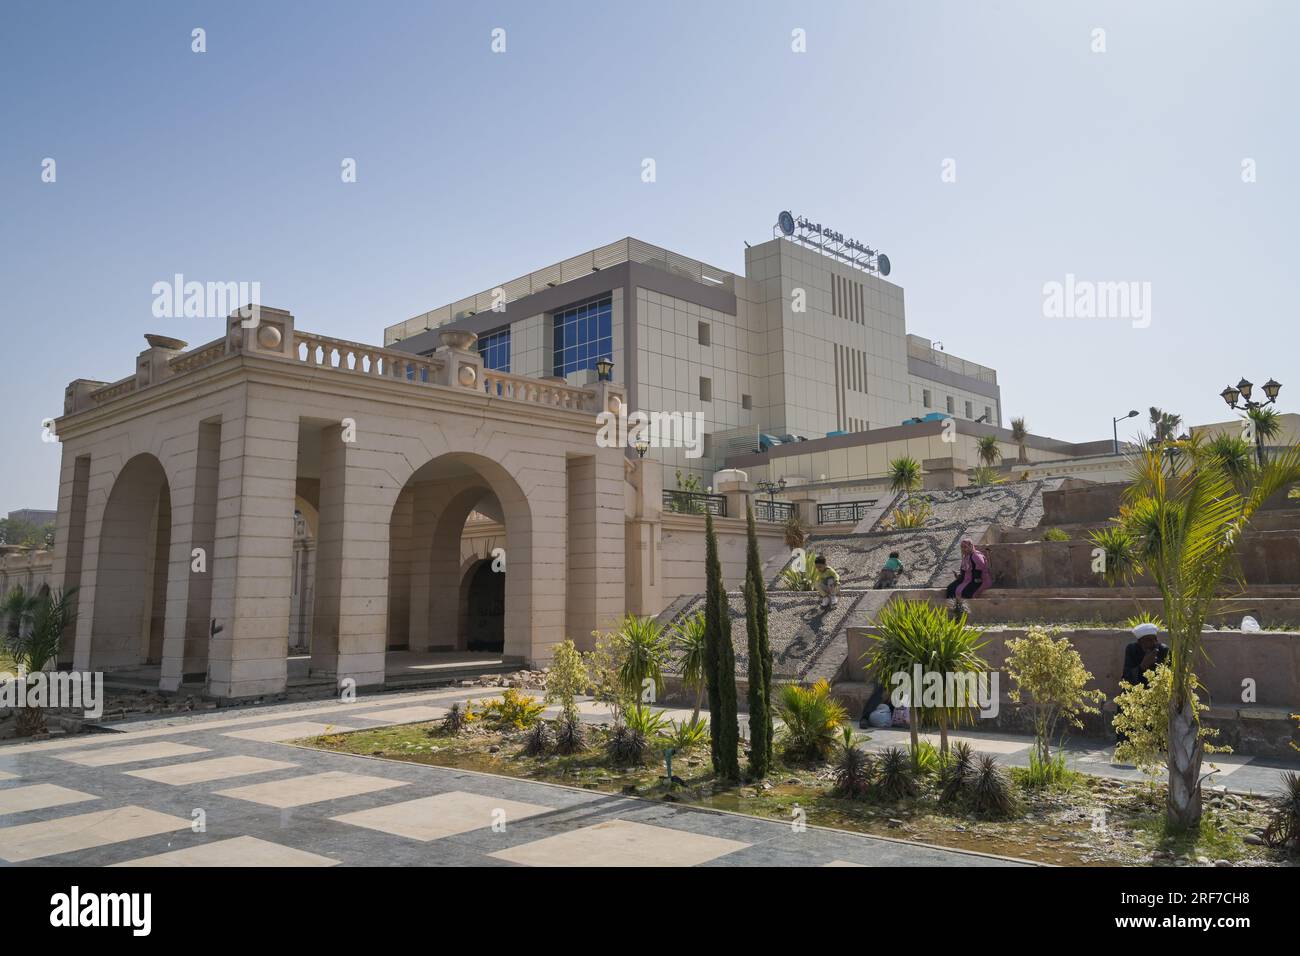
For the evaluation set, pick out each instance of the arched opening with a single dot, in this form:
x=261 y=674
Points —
x=460 y=527
x=484 y=593
x=131 y=585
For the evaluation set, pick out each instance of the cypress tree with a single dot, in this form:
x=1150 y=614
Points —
x=760 y=656
x=720 y=661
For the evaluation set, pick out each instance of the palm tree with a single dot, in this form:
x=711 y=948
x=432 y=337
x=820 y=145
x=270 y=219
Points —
x=49 y=614
x=1185 y=514
x=688 y=639
x=904 y=476
x=1266 y=424
x=646 y=647
x=912 y=633
x=986 y=447
x=1164 y=424
x=16 y=611
x=1233 y=454
x=1019 y=433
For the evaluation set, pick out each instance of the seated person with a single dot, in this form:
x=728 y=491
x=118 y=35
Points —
x=1144 y=653
x=826 y=582
x=889 y=573
x=972 y=577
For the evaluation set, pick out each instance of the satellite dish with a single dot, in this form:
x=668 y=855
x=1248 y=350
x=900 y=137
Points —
x=882 y=263
x=786 y=222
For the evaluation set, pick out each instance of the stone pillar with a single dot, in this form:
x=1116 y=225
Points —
x=252 y=567
x=70 y=535
x=643 y=520
x=424 y=521
x=944 y=473
x=352 y=567
x=189 y=585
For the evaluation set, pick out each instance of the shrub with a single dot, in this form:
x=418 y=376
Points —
x=799 y=578
x=896 y=774
x=688 y=641
x=1283 y=830
x=796 y=535
x=853 y=770
x=538 y=740
x=1120 y=560
x=455 y=720
x=909 y=517
x=627 y=746
x=956 y=773
x=645 y=650
x=688 y=734
x=983 y=476
x=1143 y=722
x=1051 y=772
x=1049 y=678
x=925 y=759
x=512 y=709
x=990 y=792
x=567 y=678
x=1055 y=534
x=650 y=722
x=570 y=736
x=812 y=720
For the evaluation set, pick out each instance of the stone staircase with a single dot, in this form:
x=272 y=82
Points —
x=808 y=644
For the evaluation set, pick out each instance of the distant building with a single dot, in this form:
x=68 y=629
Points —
x=35 y=516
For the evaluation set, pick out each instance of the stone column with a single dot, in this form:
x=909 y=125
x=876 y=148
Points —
x=252 y=569
x=352 y=566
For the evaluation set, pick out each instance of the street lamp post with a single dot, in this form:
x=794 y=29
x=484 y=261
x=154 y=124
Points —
x=1242 y=391
x=772 y=487
x=1114 y=425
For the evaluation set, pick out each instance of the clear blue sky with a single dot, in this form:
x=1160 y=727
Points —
x=476 y=167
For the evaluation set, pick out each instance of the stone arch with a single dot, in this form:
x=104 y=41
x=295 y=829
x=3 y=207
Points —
x=426 y=583
x=130 y=598
x=480 y=620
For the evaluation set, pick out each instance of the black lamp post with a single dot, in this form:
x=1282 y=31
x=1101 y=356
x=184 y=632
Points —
x=604 y=369
x=1114 y=425
x=772 y=487
x=1242 y=391
x=641 y=446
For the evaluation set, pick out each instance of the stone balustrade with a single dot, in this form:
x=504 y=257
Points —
x=456 y=365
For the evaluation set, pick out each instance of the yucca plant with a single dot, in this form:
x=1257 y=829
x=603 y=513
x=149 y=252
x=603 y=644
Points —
x=990 y=791
x=956 y=772
x=812 y=719
x=796 y=535
x=538 y=740
x=984 y=476
x=799 y=575
x=1118 y=553
x=687 y=734
x=1283 y=830
x=646 y=648
x=987 y=450
x=918 y=633
x=650 y=722
x=904 y=476
x=896 y=774
x=910 y=516
x=570 y=735
x=48 y=615
x=688 y=641
x=853 y=769
x=1234 y=455
x=1185 y=513
x=1019 y=434
x=627 y=746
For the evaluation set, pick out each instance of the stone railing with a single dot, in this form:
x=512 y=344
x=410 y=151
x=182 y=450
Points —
x=25 y=569
x=456 y=365
x=199 y=357
x=321 y=351
x=113 y=390
x=539 y=391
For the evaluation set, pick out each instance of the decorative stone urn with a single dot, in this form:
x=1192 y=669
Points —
x=458 y=340
x=165 y=342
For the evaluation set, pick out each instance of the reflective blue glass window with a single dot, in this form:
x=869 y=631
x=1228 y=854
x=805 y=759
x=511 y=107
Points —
x=583 y=335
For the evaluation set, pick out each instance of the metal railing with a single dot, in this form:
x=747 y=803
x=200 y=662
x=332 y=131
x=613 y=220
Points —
x=844 y=512
x=694 y=503
x=778 y=512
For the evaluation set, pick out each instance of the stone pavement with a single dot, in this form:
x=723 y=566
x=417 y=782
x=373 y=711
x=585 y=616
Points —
x=129 y=798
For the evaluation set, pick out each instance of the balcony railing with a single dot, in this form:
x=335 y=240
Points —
x=778 y=512
x=844 y=512
x=695 y=503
